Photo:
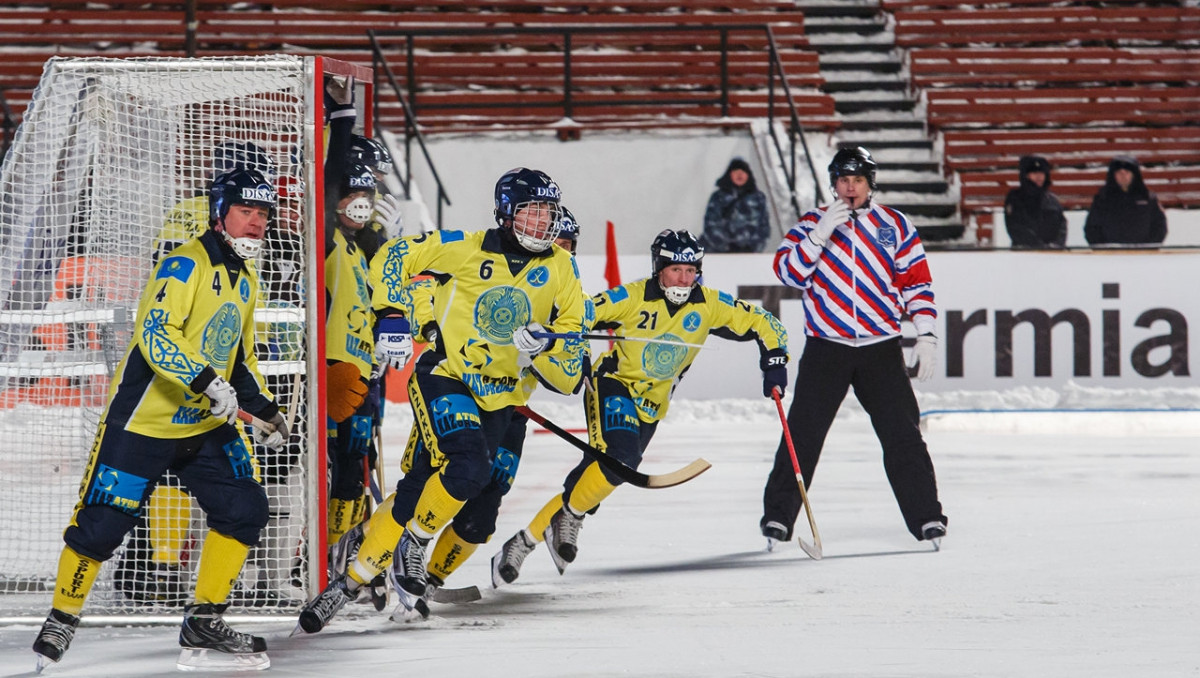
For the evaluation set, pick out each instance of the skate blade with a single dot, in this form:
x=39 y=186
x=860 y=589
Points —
x=42 y=662
x=192 y=659
x=419 y=612
x=771 y=544
x=937 y=543
x=497 y=580
x=559 y=562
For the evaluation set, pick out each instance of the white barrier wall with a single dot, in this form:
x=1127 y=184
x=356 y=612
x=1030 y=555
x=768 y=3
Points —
x=1006 y=319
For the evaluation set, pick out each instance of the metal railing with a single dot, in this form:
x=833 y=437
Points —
x=567 y=103
x=411 y=131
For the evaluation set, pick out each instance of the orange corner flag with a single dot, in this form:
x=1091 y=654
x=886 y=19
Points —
x=612 y=270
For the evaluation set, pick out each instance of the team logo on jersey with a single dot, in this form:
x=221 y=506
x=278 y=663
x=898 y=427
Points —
x=453 y=412
x=887 y=236
x=244 y=289
x=662 y=361
x=691 y=321
x=179 y=268
x=221 y=336
x=118 y=489
x=540 y=275
x=500 y=311
x=239 y=458
x=504 y=468
x=620 y=414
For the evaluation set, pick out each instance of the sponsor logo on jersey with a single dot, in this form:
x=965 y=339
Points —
x=887 y=236
x=239 y=458
x=499 y=312
x=179 y=268
x=620 y=414
x=691 y=321
x=188 y=415
x=648 y=407
x=221 y=335
x=504 y=468
x=482 y=385
x=538 y=276
x=453 y=412
x=358 y=348
x=662 y=361
x=118 y=489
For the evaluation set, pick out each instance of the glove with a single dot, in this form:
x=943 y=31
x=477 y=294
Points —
x=388 y=214
x=924 y=356
x=393 y=343
x=224 y=399
x=774 y=369
x=528 y=344
x=339 y=97
x=345 y=390
x=277 y=437
x=836 y=214
x=432 y=334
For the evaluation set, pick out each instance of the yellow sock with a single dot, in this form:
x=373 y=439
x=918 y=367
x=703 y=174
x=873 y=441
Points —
x=76 y=574
x=591 y=489
x=221 y=560
x=341 y=518
x=382 y=533
x=541 y=521
x=168 y=516
x=435 y=508
x=449 y=552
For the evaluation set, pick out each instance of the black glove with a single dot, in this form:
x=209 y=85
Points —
x=432 y=334
x=774 y=369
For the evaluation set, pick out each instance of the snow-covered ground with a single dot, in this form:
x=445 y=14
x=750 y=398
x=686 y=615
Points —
x=1071 y=552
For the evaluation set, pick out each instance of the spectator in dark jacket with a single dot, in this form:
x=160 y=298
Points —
x=1124 y=211
x=736 y=217
x=1032 y=214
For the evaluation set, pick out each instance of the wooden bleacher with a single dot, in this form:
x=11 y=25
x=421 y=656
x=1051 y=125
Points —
x=1039 y=66
x=1044 y=25
x=1078 y=147
x=964 y=106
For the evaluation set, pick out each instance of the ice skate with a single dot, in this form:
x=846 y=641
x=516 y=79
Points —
x=562 y=536
x=775 y=533
x=319 y=611
x=54 y=638
x=416 y=608
x=506 y=564
x=408 y=566
x=344 y=551
x=209 y=644
x=932 y=532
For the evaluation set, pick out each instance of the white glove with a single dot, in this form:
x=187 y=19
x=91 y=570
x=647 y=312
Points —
x=924 y=356
x=224 y=399
x=389 y=215
x=528 y=344
x=394 y=348
x=836 y=214
x=277 y=437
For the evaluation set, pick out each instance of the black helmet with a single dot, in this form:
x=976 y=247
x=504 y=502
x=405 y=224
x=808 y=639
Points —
x=675 y=247
x=853 y=162
x=568 y=228
x=522 y=186
x=242 y=186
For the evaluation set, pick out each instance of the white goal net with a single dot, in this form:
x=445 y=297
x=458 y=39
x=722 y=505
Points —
x=107 y=172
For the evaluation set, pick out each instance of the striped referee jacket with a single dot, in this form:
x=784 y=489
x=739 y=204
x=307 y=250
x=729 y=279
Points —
x=870 y=274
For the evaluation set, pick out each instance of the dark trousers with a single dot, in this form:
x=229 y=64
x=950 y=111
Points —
x=827 y=370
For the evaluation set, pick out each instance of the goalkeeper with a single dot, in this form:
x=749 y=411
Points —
x=173 y=405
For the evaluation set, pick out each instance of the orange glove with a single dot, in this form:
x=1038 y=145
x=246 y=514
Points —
x=345 y=390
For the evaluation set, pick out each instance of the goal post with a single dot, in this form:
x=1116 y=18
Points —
x=107 y=172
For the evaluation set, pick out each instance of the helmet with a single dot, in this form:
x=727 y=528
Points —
x=371 y=153
x=357 y=178
x=519 y=187
x=230 y=155
x=240 y=187
x=853 y=162
x=568 y=228
x=676 y=247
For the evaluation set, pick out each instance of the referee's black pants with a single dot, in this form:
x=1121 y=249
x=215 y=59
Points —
x=877 y=372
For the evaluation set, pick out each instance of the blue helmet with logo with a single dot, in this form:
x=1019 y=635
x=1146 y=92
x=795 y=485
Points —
x=568 y=228
x=675 y=247
x=357 y=177
x=243 y=186
x=371 y=153
x=519 y=188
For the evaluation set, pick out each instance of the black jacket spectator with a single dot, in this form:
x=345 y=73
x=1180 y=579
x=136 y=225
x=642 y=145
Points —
x=736 y=217
x=1127 y=214
x=1032 y=214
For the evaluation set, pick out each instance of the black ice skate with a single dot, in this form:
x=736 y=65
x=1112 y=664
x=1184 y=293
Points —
x=416 y=608
x=775 y=533
x=932 y=532
x=209 y=644
x=562 y=536
x=408 y=565
x=506 y=564
x=344 y=551
x=320 y=610
x=54 y=638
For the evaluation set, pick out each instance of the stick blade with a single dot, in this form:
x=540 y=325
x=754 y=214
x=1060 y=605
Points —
x=680 y=476
x=813 y=550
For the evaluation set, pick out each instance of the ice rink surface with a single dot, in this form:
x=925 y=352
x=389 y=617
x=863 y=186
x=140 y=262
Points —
x=1072 y=551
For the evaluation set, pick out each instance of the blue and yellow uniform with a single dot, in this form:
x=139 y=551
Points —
x=195 y=322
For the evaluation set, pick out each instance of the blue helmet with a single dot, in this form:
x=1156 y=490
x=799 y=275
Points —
x=675 y=247
x=519 y=187
x=853 y=162
x=568 y=228
x=371 y=153
x=242 y=186
x=357 y=177
x=231 y=155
